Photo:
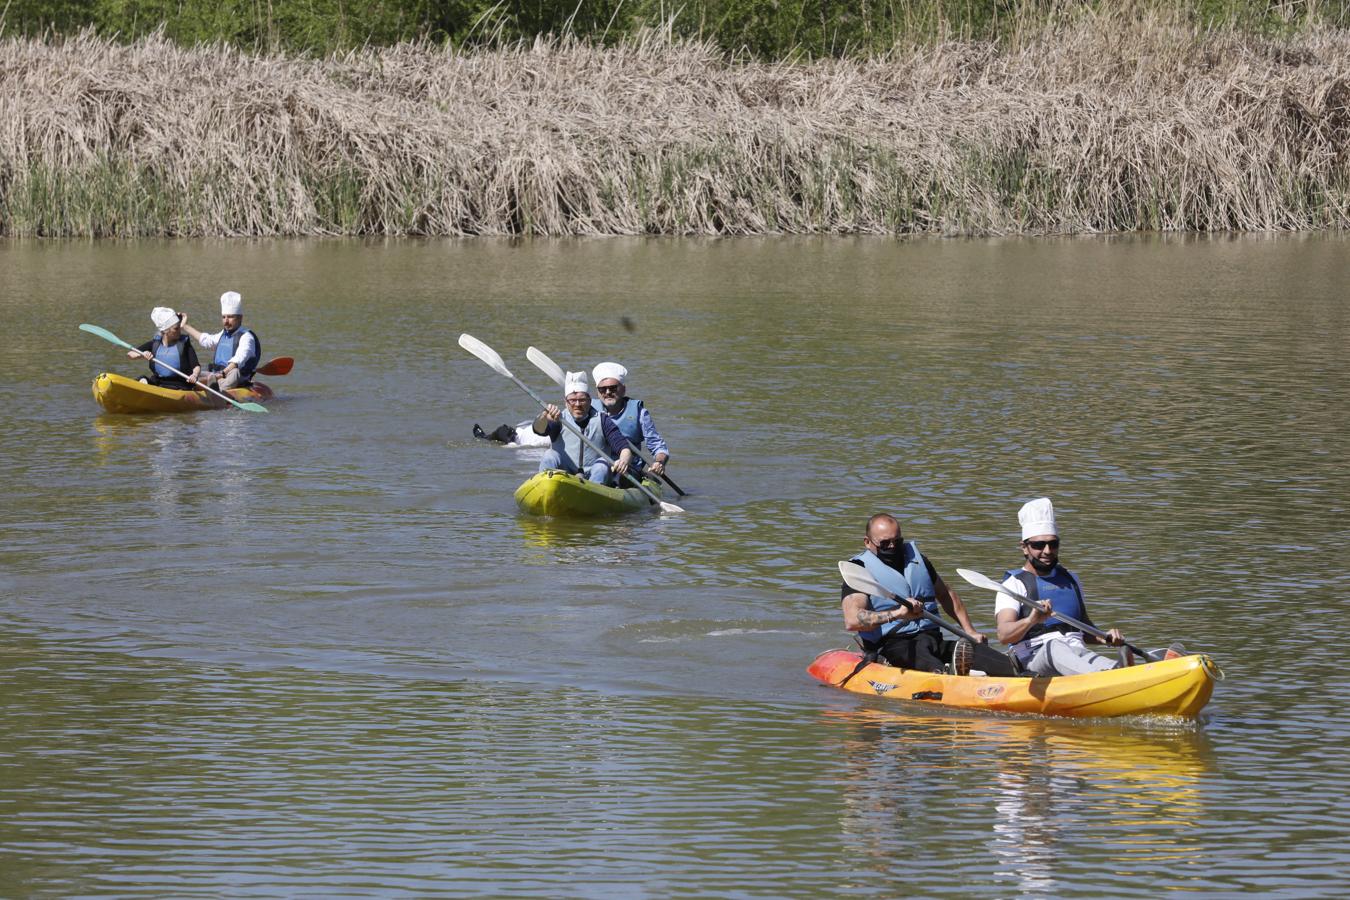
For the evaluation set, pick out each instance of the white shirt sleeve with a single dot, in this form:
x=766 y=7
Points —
x=210 y=340
x=1015 y=585
x=242 y=349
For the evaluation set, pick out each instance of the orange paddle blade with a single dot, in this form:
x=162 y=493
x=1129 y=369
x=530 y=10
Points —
x=279 y=366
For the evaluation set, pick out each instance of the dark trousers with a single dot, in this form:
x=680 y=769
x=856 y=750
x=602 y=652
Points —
x=928 y=652
x=922 y=651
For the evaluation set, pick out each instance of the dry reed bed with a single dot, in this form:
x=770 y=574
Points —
x=1104 y=125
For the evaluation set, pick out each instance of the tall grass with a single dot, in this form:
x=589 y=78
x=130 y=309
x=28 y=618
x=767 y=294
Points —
x=1103 y=122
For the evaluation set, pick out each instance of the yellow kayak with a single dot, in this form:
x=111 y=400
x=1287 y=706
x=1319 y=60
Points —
x=118 y=394
x=1172 y=687
x=556 y=493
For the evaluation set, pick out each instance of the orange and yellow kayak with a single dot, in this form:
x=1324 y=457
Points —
x=119 y=394
x=1172 y=687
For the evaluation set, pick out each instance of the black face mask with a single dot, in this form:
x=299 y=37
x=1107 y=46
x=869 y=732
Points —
x=1040 y=569
x=893 y=556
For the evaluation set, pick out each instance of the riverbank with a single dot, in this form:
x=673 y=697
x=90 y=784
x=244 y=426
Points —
x=1100 y=126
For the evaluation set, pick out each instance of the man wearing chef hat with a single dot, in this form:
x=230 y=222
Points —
x=238 y=349
x=1043 y=644
x=569 y=452
x=630 y=415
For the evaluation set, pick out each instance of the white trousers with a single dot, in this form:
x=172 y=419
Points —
x=1065 y=654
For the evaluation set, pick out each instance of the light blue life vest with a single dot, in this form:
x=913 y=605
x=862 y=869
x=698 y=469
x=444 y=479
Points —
x=1061 y=588
x=169 y=355
x=630 y=422
x=568 y=442
x=912 y=581
x=225 y=349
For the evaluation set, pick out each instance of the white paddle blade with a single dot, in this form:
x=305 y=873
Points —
x=485 y=353
x=546 y=365
x=671 y=507
x=858 y=578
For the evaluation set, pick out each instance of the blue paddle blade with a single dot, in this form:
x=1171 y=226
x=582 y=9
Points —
x=105 y=334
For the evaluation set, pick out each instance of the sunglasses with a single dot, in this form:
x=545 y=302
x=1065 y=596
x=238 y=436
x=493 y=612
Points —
x=888 y=544
x=1041 y=545
x=611 y=389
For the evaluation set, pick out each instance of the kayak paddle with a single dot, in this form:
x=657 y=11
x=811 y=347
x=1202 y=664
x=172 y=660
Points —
x=555 y=371
x=858 y=578
x=494 y=361
x=990 y=584
x=281 y=365
x=109 y=336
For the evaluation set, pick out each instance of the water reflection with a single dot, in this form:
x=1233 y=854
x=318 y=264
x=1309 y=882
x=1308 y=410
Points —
x=1052 y=786
x=170 y=454
x=1144 y=384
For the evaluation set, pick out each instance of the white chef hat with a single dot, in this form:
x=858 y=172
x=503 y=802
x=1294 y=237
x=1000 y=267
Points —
x=164 y=318
x=575 y=381
x=1037 y=517
x=231 y=304
x=609 y=370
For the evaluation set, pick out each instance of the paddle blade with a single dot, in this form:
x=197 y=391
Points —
x=981 y=581
x=671 y=507
x=250 y=406
x=485 y=353
x=280 y=366
x=106 y=335
x=858 y=578
x=546 y=365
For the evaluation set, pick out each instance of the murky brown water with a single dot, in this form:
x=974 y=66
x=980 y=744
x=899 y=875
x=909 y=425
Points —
x=319 y=653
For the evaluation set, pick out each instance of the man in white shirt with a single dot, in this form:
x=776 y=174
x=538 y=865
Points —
x=238 y=349
x=1043 y=644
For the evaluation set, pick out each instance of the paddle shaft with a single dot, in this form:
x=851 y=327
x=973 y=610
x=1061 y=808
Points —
x=867 y=585
x=990 y=584
x=554 y=371
x=473 y=345
x=109 y=336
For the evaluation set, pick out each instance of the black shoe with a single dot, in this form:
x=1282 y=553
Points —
x=963 y=654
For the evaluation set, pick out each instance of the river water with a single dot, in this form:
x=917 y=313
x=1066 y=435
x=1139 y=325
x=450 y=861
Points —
x=319 y=653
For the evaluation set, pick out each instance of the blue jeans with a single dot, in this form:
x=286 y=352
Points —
x=598 y=471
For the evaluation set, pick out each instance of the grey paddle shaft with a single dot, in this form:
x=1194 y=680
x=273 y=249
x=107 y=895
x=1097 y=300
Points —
x=494 y=360
x=861 y=580
x=990 y=584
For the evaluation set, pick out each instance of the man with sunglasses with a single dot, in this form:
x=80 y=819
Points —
x=1042 y=644
x=630 y=415
x=897 y=633
x=569 y=452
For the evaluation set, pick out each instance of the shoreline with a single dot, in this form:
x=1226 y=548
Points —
x=1097 y=127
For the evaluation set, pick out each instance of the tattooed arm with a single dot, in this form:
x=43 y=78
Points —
x=857 y=617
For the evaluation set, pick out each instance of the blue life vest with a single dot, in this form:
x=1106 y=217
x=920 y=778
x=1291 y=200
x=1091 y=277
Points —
x=912 y=581
x=225 y=349
x=630 y=422
x=1061 y=588
x=170 y=355
x=568 y=442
